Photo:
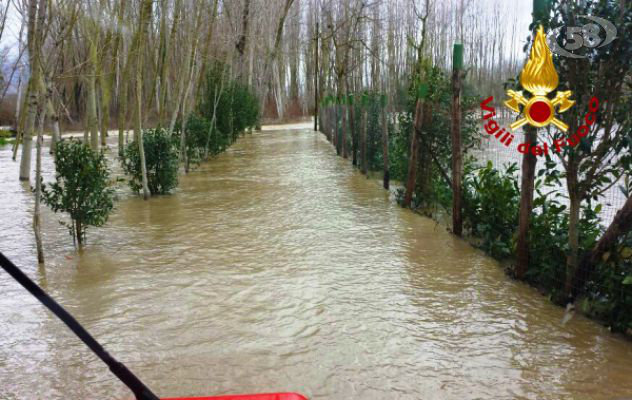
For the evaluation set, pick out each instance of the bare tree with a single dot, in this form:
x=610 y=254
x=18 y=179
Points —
x=143 y=22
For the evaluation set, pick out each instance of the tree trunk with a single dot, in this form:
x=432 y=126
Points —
x=33 y=89
x=573 y=240
x=243 y=39
x=158 y=83
x=354 y=135
x=144 y=20
x=50 y=111
x=424 y=174
x=104 y=85
x=316 y=78
x=139 y=134
x=79 y=233
x=211 y=128
x=343 y=137
x=279 y=91
x=165 y=66
x=529 y=162
x=20 y=117
x=86 y=132
x=92 y=96
x=620 y=225
x=27 y=138
x=457 y=161
x=336 y=128
x=114 y=77
x=184 y=88
x=54 y=117
x=56 y=127
x=191 y=78
x=37 y=218
x=179 y=95
x=411 y=178
x=207 y=42
x=124 y=77
x=122 y=122
x=363 y=144
x=217 y=95
x=387 y=177
x=183 y=141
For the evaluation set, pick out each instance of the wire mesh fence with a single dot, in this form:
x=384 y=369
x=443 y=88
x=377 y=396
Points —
x=490 y=149
x=606 y=294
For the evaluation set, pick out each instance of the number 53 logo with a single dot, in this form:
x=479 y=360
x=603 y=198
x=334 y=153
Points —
x=584 y=36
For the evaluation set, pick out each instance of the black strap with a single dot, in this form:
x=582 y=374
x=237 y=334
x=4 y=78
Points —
x=126 y=376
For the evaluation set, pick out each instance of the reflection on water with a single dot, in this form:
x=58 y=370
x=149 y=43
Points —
x=277 y=267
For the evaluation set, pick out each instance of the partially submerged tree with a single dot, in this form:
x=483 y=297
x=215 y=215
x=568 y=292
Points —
x=143 y=24
x=161 y=163
x=36 y=33
x=81 y=188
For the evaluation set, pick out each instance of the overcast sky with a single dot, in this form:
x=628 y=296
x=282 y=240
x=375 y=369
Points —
x=12 y=27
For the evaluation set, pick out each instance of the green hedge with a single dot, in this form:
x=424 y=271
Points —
x=161 y=159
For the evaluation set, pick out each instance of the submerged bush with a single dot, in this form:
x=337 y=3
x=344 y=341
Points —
x=490 y=207
x=245 y=107
x=233 y=104
x=6 y=137
x=6 y=134
x=81 y=188
x=198 y=137
x=226 y=108
x=548 y=240
x=161 y=159
x=548 y=235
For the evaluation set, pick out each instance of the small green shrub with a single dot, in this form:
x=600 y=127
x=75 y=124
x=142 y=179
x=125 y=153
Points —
x=548 y=240
x=6 y=137
x=399 y=145
x=245 y=107
x=231 y=105
x=161 y=159
x=237 y=106
x=6 y=134
x=81 y=188
x=490 y=207
x=198 y=137
x=548 y=243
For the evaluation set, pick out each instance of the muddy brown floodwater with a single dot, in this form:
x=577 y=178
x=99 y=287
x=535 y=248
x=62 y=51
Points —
x=277 y=267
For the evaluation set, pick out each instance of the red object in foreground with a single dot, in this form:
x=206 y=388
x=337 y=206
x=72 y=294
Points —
x=265 y=396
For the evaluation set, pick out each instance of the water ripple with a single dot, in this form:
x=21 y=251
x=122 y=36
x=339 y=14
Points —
x=277 y=267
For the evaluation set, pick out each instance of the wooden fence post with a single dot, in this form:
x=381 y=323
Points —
x=345 y=124
x=363 y=135
x=457 y=158
x=387 y=176
x=316 y=71
x=354 y=132
x=336 y=127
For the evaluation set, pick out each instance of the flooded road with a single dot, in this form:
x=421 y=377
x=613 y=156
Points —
x=276 y=267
